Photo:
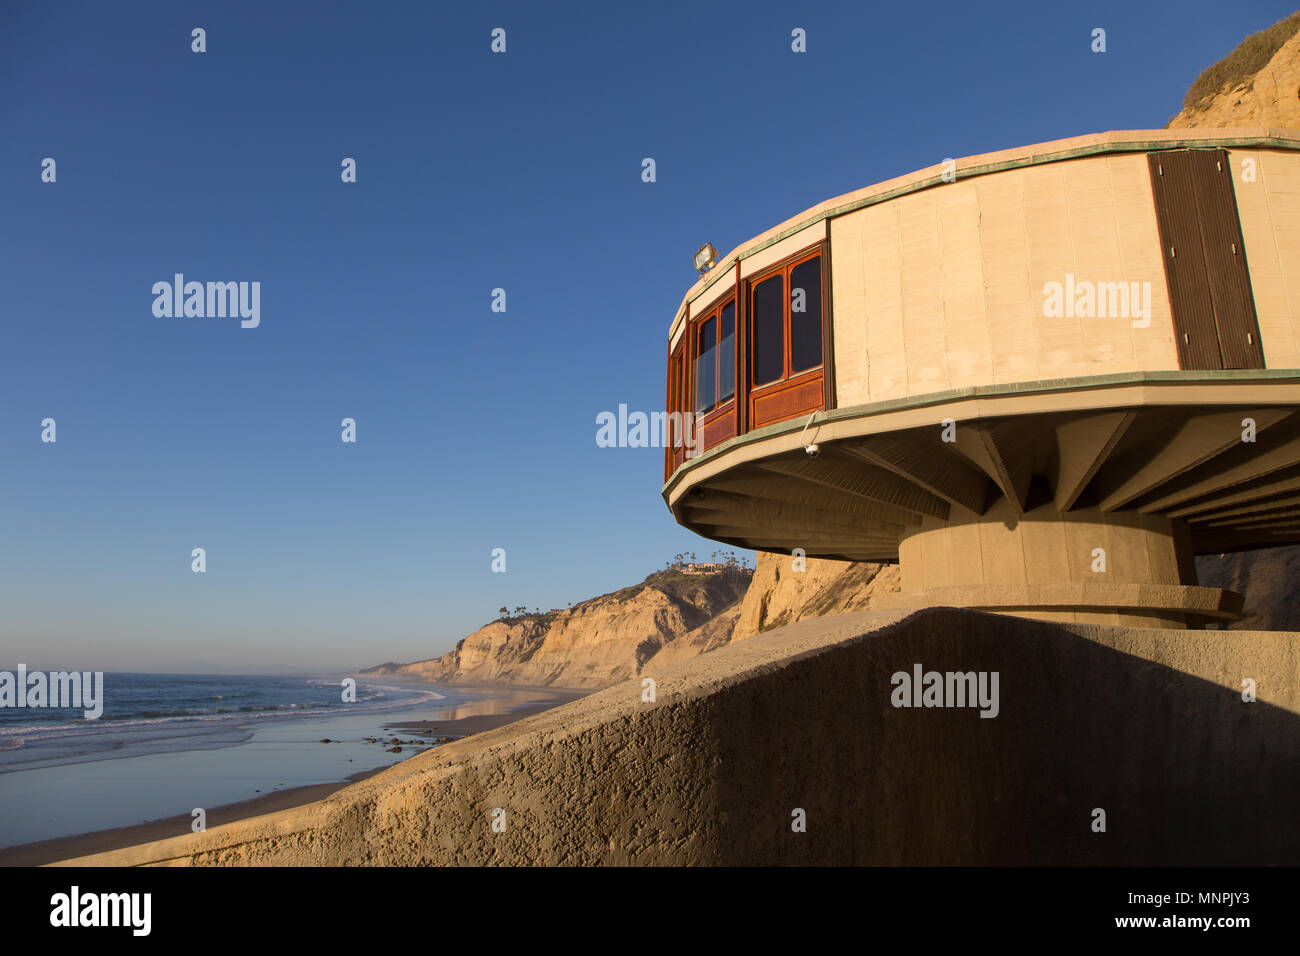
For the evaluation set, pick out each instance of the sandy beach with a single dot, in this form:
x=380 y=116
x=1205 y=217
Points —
x=507 y=704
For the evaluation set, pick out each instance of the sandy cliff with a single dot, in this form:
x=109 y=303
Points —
x=780 y=594
x=598 y=642
x=1258 y=84
x=669 y=617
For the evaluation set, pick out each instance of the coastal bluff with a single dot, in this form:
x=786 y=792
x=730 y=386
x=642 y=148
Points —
x=668 y=617
x=595 y=643
x=1146 y=726
x=671 y=617
x=1258 y=84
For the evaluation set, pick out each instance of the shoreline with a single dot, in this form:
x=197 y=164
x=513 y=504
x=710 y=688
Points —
x=42 y=852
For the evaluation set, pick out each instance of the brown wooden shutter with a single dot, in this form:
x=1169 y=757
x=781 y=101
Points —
x=1205 y=260
x=1225 y=260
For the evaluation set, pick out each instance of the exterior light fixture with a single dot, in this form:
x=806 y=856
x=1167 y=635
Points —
x=706 y=257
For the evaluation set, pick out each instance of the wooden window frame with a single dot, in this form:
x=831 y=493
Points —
x=715 y=312
x=739 y=413
x=773 y=393
x=674 y=451
x=719 y=423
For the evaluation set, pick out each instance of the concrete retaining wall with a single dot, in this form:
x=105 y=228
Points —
x=1147 y=724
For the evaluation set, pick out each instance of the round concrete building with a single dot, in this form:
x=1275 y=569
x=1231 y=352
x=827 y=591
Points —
x=1042 y=380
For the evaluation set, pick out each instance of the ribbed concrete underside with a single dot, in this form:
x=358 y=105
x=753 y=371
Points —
x=1197 y=467
x=1231 y=472
x=1145 y=724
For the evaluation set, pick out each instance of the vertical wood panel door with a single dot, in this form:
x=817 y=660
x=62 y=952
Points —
x=1225 y=260
x=1184 y=257
x=1205 y=260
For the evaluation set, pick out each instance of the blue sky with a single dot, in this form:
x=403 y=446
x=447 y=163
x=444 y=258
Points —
x=475 y=429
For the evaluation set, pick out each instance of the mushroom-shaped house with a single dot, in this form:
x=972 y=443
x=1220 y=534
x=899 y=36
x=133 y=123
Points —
x=1042 y=379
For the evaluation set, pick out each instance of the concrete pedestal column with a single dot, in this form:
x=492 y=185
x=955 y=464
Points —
x=1079 y=566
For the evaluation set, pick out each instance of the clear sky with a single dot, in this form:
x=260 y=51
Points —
x=475 y=429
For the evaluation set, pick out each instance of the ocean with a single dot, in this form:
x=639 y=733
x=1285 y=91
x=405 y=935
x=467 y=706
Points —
x=169 y=743
x=148 y=713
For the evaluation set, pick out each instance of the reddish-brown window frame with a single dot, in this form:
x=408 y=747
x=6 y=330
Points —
x=786 y=398
x=674 y=450
x=793 y=393
x=719 y=424
x=715 y=313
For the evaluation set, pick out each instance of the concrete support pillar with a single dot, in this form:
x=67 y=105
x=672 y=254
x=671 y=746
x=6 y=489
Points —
x=1079 y=566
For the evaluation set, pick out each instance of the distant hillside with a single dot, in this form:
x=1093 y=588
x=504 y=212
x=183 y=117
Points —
x=668 y=616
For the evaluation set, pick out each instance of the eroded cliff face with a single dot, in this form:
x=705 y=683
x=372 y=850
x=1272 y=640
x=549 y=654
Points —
x=599 y=642
x=1269 y=96
x=780 y=594
x=668 y=618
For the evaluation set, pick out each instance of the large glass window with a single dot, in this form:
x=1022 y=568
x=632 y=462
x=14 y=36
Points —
x=787 y=327
x=769 y=330
x=715 y=359
x=806 y=315
x=727 y=352
x=706 y=366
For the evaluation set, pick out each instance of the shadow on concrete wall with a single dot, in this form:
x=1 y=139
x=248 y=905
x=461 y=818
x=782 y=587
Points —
x=1186 y=772
x=801 y=718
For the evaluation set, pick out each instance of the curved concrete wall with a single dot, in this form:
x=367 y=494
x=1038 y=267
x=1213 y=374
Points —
x=1269 y=207
x=943 y=288
x=1145 y=724
x=938 y=284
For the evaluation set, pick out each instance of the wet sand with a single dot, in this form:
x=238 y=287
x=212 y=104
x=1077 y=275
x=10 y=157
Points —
x=477 y=723
x=478 y=716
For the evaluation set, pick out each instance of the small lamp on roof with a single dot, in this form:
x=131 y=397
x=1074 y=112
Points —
x=706 y=257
